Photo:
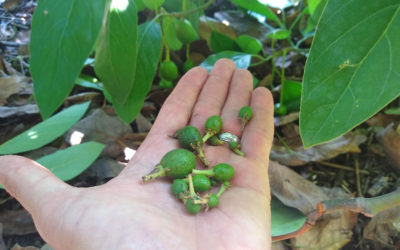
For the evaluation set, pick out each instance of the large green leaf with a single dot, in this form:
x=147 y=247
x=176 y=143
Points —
x=220 y=42
x=116 y=50
x=70 y=162
x=45 y=132
x=353 y=69
x=149 y=49
x=63 y=36
x=256 y=6
x=242 y=60
x=285 y=220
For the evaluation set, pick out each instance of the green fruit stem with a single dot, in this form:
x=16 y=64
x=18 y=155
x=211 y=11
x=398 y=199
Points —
x=208 y=135
x=206 y=172
x=157 y=172
x=191 y=186
x=188 y=51
x=223 y=188
x=200 y=154
x=238 y=152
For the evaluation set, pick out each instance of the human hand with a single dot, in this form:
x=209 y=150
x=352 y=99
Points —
x=126 y=213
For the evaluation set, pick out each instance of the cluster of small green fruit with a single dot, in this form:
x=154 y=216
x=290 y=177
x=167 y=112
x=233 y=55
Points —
x=168 y=70
x=180 y=165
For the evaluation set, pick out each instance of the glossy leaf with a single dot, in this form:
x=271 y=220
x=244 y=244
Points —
x=353 y=68
x=220 y=42
x=46 y=131
x=149 y=49
x=242 y=60
x=316 y=7
x=82 y=81
x=291 y=95
x=256 y=6
x=116 y=50
x=70 y=162
x=249 y=44
x=285 y=220
x=63 y=36
x=279 y=34
x=168 y=25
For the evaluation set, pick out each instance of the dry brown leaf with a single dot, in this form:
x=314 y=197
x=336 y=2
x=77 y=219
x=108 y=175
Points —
x=100 y=127
x=390 y=141
x=331 y=232
x=300 y=156
x=28 y=109
x=11 y=85
x=293 y=190
x=384 y=227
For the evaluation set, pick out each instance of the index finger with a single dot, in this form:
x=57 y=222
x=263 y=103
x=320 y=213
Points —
x=258 y=134
x=177 y=109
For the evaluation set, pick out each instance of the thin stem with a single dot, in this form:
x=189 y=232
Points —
x=188 y=51
x=157 y=172
x=299 y=16
x=334 y=165
x=358 y=179
x=206 y=172
x=191 y=187
x=273 y=65
x=282 y=76
x=223 y=188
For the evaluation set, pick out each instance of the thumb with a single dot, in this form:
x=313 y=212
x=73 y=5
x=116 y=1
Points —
x=30 y=183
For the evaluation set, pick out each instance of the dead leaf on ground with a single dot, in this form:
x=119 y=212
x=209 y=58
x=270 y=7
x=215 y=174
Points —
x=17 y=222
x=11 y=85
x=28 y=109
x=390 y=140
x=384 y=228
x=333 y=230
x=299 y=155
x=382 y=120
x=103 y=128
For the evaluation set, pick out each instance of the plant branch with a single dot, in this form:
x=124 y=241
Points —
x=366 y=206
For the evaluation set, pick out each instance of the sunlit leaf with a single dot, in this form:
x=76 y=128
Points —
x=242 y=60
x=256 y=6
x=70 y=162
x=116 y=50
x=46 y=131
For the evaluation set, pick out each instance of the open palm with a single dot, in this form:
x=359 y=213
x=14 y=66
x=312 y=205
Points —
x=125 y=213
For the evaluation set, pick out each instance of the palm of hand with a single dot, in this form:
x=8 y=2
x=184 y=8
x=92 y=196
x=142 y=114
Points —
x=128 y=214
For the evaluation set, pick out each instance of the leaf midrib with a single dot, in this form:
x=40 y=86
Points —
x=357 y=68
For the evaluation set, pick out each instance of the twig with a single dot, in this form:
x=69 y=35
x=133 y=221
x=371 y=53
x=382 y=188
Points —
x=360 y=194
x=334 y=165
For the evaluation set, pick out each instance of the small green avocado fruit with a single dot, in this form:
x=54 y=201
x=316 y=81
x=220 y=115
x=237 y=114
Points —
x=190 y=138
x=213 y=201
x=175 y=164
x=185 y=32
x=192 y=207
x=201 y=183
x=179 y=186
x=168 y=70
x=213 y=126
x=223 y=172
